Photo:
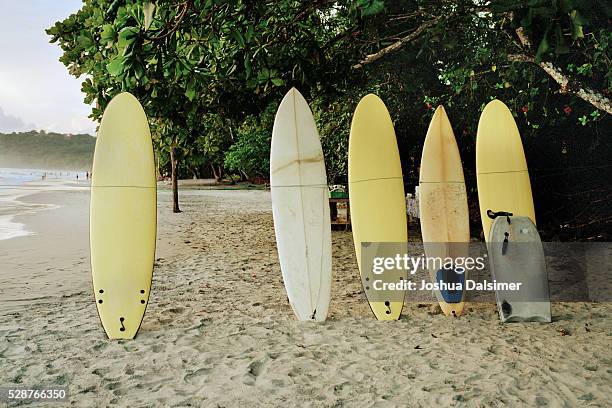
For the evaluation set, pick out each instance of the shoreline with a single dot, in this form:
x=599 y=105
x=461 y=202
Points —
x=15 y=203
x=30 y=263
x=57 y=243
x=19 y=206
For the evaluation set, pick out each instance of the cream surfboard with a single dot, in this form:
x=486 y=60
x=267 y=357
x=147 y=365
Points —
x=300 y=207
x=501 y=168
x=376 y=193
x=123 y=217
x=443 y=208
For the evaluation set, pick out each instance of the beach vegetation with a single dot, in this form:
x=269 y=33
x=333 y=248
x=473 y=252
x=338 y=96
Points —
x=207 y=72
x=46 y=150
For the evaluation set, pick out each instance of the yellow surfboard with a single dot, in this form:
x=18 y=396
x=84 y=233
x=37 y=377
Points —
x=443 y=207
x=501 y=168
x=123 y=217
x=376 y=188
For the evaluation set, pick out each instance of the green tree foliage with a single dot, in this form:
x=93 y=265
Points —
x=186 y=59
x=207 y=73
x=470 y=53
x=250 y=155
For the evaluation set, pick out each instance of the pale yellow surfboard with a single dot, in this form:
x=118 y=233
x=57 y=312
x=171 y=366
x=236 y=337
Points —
x=376 y=187
x=501 y=168
x=443 y=206
x=123 y=217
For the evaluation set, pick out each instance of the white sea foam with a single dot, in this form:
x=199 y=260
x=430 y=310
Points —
x=18 y=183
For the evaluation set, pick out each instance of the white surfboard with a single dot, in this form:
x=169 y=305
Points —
x=300 y=208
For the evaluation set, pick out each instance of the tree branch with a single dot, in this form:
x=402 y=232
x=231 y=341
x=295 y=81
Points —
x=596 y=99
x=397 y=45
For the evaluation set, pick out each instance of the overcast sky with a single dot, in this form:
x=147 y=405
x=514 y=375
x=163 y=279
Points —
x=36 y=91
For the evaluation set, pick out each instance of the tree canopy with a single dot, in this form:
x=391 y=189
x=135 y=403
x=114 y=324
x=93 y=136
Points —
x=210 y=74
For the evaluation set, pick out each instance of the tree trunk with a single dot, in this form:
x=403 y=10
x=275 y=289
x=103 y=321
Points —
x=220 y=173
x=174 y=166
x=216 y=173
x=157 y=171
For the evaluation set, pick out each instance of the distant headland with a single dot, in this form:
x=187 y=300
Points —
x=39 y=149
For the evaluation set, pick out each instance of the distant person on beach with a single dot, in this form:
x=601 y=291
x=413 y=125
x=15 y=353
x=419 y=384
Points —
x=77 y=175
x=87 y=175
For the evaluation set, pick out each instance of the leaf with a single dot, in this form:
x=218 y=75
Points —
x=577 y=31
x=138 y=71
x=190 y=93
x=149 y=10
x=249 y=33
x=578 y=18
x=115 y=66
x=108 y=33
x=577 y=24
x=263 y=75
x=126 y=37
x=238 y=37
x=85 y=41
x=231 y=70
x=112 y=9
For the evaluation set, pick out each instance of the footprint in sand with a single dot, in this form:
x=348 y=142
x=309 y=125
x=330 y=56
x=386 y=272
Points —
x=278 y=383
x=100 y=346
x=255 y=368
x=294 y=372
x=112 y=385
x=197 y=373
x=100 y=372
x=473 y=379
x=158 y=348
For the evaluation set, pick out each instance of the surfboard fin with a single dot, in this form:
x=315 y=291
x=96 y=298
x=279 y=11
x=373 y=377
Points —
x=506 y=308
x=505 y=243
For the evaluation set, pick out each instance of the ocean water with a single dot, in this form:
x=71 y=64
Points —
x=18 y=183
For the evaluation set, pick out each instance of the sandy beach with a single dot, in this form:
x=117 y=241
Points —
x=219 y=332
